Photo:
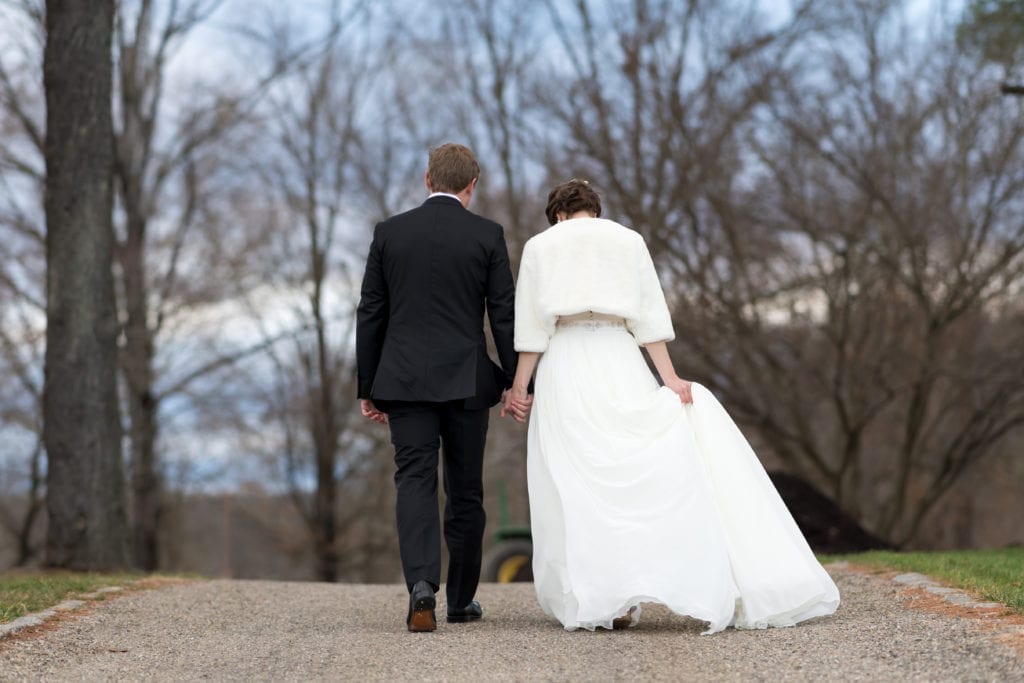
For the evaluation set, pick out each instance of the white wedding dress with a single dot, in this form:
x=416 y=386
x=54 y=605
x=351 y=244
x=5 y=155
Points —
x=635 y=498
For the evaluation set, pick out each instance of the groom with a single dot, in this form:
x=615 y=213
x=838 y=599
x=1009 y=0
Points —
x=424 y=371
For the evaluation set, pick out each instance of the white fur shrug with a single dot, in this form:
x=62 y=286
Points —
x=588 y=264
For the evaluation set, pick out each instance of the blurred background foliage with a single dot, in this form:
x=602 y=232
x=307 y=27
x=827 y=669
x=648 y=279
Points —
x=833 y=194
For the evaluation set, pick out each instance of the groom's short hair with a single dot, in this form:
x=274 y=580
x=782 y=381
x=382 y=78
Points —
x=451 y=167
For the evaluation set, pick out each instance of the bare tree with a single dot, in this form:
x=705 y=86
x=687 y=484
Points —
x=173 y=170
x=147 y=38
x=82 y=431
x=484 y=56
x=834 y=219
x=907 y=193
x=21 y=348
x=23 y=269
x=178 y=254
x=315 y=175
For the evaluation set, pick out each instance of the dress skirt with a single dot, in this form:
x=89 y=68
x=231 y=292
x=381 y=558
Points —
x=637 y=498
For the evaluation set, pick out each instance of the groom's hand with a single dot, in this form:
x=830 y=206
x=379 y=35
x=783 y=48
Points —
x=369 y=410
x=516 y=404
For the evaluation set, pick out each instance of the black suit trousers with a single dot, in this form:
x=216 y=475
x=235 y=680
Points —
x=419 y=430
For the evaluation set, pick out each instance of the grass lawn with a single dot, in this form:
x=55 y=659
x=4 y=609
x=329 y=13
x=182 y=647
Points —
x=996 y=575
x=21 y=593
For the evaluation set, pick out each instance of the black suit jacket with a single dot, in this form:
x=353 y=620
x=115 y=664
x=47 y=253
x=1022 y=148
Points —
x=420 y=323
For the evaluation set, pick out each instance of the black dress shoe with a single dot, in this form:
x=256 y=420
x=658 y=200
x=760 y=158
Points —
x=470 y=612
x=421 y=608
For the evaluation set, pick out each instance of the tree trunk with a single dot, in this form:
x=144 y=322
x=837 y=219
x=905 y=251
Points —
x=147 y=491
x=326 y=531
x=137 y=361
x=325 y=433
x=35 y=506
x=85 y=482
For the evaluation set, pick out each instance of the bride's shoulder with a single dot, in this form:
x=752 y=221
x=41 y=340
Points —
x=589 y=230
x=547 y=236
x=610 y=227
x=586 y=226
x=536 y=242
x=614 y=233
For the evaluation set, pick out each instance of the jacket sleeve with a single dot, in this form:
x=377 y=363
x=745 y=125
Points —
x=501 y=294
x=651 y=322
x=532 y=329
x=371 y=317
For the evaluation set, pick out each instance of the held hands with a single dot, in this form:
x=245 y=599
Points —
x=681 y=387
x=369 y=410
x=516 y=403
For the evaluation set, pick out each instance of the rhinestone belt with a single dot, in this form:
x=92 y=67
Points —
x=591 y=321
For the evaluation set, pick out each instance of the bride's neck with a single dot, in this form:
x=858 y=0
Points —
x=580 y=214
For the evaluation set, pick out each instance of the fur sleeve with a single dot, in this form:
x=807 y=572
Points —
x=652 y=322
x=532 y=329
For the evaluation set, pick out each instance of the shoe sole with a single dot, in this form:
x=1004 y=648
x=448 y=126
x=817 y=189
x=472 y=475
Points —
x=422 y=618
x=462 y=619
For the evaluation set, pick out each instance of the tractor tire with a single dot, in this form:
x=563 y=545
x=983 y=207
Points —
x=509 y=561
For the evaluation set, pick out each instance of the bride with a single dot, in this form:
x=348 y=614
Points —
x=638 y=493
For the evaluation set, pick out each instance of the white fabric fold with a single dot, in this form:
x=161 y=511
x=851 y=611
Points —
x=635 y=498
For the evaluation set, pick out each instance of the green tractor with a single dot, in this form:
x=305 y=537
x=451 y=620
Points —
x=511 y=557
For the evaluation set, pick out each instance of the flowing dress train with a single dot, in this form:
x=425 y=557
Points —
x=636 y=498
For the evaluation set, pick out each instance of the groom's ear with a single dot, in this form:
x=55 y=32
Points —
x=426 y=181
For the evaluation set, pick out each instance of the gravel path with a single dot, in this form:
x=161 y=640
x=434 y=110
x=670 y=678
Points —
x=235 y=630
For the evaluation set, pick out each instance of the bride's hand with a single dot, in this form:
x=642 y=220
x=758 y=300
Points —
x=516 y=403
x=682 y=389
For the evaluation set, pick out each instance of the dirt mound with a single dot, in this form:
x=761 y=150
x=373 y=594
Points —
x=827 y=528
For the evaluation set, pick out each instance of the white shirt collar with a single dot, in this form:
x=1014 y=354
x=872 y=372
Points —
x=444 y=194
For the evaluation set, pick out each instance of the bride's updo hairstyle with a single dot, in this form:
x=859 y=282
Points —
x=572 y=196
